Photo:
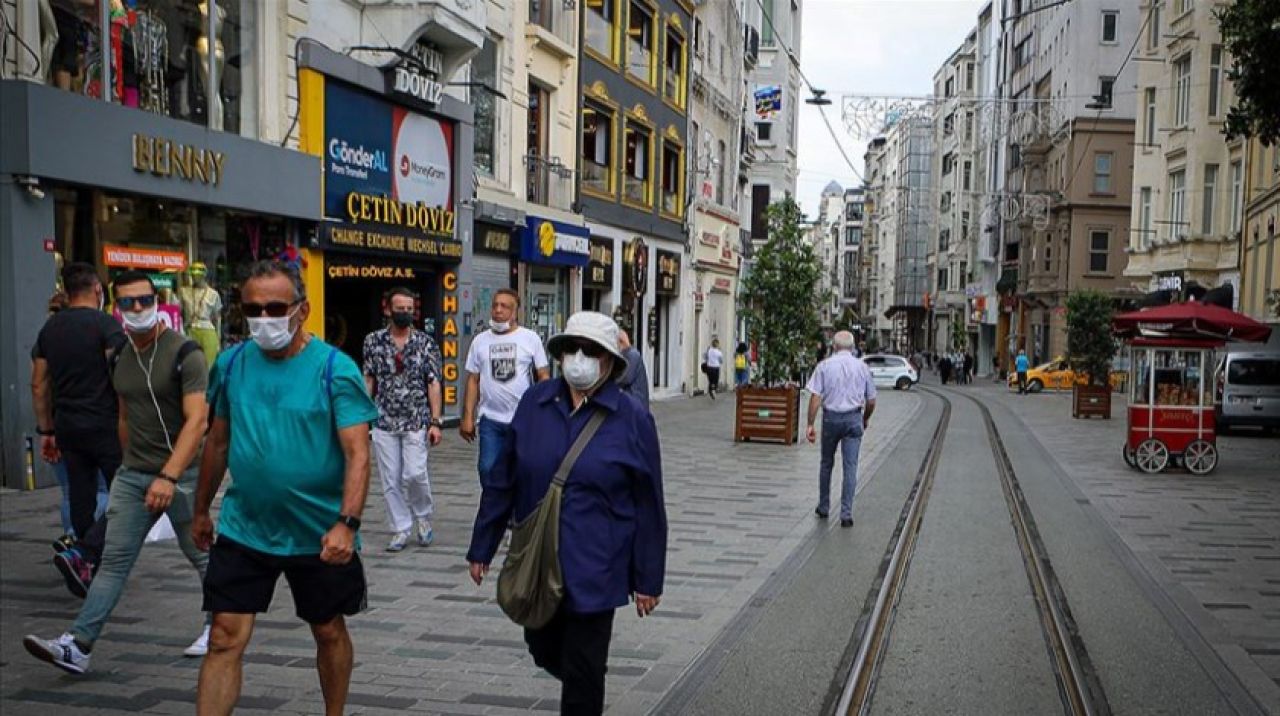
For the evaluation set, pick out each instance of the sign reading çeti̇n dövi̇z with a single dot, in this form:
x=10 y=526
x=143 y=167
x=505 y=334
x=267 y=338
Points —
x=389 y=176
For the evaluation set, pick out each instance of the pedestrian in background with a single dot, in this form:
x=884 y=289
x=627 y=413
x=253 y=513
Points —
x=613 y=524
x=741 y=366
x=77 y=413
x=160 y=378
x=1021 y=365
x=968 y=367
x=944 y=367
x=67 y=540
x=291 y=419
x=502 y=363
x=712 y=361
x=634 y=381
x=400 y=373
x=842 y=386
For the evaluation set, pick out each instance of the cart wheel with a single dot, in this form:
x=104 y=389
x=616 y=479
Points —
x=1200 y=457
x=1152 y=456
x=1128 y=456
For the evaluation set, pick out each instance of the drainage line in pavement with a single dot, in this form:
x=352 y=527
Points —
x=1078 y=683
x=870 y=638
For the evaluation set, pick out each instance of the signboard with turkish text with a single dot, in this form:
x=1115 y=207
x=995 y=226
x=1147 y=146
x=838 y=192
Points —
x=768 y=102
x=387 y=166
x=554 y=243
x=668 y=273
x=600 y=266
x=143 y=259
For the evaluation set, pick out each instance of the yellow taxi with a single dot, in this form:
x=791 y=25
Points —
x=1058 y=375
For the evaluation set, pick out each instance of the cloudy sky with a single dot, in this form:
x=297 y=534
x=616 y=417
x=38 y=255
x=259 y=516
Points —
x=874 y=47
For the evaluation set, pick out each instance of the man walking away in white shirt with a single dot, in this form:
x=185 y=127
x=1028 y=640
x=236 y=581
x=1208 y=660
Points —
x=502 y=364
x=712 y=363
x=842 y=386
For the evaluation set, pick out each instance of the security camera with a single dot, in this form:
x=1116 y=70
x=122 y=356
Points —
x=32 y=185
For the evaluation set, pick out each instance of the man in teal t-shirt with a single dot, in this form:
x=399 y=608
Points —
x=291 y=420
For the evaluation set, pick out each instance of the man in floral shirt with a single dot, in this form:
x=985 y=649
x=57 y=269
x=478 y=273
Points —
x=400 y=370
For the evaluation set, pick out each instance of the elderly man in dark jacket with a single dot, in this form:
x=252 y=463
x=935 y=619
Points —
x=635 y=379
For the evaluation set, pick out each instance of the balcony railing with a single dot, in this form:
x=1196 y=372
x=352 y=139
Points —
x=548 y=182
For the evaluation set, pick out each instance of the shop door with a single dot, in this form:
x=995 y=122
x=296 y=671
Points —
x=353 y=308
x=547 y=301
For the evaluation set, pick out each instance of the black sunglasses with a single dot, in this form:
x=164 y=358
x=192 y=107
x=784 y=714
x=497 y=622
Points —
x=590 y=348
x=274 y=309
x=126 y=303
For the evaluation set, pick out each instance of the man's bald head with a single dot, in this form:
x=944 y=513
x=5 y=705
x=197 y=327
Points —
x=624 y=340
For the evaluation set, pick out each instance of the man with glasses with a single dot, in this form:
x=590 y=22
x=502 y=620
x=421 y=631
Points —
x=76 y=411
x=400 y=373
x=160 y=378
x=502 y=363
x=291 y=420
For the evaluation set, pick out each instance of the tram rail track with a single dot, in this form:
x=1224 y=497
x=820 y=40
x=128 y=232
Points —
x=1078 y=685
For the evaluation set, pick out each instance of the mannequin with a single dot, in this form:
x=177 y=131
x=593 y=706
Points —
x=48 y=39
x=202 y=49
x=202 y=311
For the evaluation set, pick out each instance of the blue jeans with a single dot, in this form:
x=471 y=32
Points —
x=128 y=523
x=741 y=376
x=60 y=471
x=843 y=430
x=493 y=437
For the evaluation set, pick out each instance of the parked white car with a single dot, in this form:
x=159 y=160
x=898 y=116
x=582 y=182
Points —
x=889 y=371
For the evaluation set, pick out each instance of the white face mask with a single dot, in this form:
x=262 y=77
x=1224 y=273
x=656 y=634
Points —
x=141 y=321
x=580 y=371
x=497 y=327
x=272 y=334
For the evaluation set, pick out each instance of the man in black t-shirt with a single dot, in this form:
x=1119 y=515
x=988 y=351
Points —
x=77 y=411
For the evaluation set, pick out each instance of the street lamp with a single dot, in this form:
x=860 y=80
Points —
x=819 y=98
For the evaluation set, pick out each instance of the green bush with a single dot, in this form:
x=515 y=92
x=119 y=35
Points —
x=1090 y=345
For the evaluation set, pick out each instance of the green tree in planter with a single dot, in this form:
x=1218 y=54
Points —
x=1090 y=345
x=780 y=298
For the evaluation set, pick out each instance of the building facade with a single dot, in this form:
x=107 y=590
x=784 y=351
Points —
x=1069 y=165
x=849 y=253
x=524 y=89
x=632 y=161
x=1188 y=186
x=879 y=247
x=775 y=96
x=1259 y=257
x=725 y=47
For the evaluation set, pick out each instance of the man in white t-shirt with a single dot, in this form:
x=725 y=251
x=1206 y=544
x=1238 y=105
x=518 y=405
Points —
x=712 y=361
x=501 y=365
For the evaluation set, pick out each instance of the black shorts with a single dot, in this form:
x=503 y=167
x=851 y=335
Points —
x=241 y=580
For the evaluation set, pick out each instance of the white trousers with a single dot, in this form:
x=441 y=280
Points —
x=402 y=465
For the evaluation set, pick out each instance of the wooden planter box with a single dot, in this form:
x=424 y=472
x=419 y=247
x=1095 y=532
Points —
x=1088 y=401
x=767 y=414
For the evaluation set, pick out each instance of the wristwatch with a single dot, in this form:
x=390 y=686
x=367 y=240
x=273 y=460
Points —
x=44 y=433
x=436 y=423
x=349 y=521
x=170 y=478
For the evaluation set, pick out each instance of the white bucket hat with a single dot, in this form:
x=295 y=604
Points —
x=595 y=327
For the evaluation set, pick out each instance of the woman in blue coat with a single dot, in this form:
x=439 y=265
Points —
x=613 y=525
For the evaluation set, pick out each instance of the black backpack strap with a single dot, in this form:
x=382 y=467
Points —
x=184 y=350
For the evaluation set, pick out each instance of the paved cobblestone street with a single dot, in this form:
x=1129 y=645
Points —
x=1211 y=543
x=431 y=641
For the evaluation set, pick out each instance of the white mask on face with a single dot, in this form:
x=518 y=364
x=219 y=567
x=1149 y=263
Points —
x=141 y=321
x=272 y=334
x=499 y=327
x=580 y=371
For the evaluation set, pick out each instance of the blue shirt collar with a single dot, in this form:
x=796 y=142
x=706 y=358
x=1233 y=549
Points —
x=607 y=396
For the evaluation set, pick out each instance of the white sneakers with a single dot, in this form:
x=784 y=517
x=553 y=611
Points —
x=61 y=652
x=398 y=541
x=425 y=534
x=65 y=654
x=200 y=646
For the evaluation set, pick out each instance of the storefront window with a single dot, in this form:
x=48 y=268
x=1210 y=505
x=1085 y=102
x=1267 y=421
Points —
x=165 y=238
x=159 y=57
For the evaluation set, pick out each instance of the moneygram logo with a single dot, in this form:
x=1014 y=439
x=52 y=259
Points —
x=420 y=172
x=355 y=161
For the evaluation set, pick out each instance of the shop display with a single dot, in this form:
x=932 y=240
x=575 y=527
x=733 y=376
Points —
x=202 y=311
